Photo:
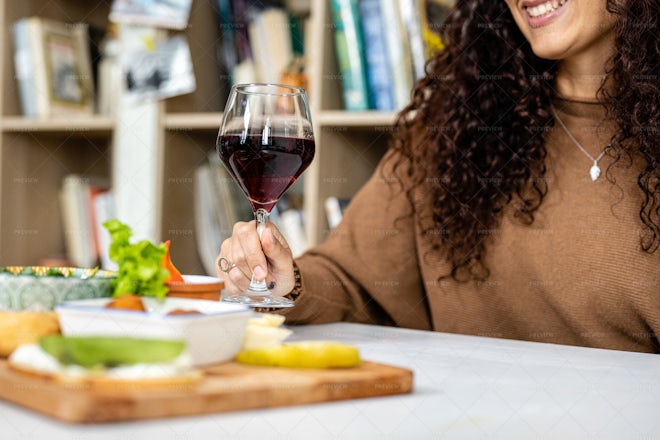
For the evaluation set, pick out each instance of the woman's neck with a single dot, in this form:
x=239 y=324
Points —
x=576 y=83
x=581 y=76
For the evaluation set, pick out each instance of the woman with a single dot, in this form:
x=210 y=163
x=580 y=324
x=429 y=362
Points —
x=520 y=197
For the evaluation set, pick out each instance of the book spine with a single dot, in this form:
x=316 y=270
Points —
x=348 y=47
x=270 y=42
x=398 y=53
x=24 y=68
x=334 y=210
x=410 y=17
x=291 y=225
x=76 y=220
x=379 y=77
x=240 y=24
x=208 y=235
x=227 y=46
x=103 y=206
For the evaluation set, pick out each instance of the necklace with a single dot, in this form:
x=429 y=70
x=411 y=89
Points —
x=594 y=171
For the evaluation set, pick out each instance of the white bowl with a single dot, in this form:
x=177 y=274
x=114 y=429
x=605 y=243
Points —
x=214 y=336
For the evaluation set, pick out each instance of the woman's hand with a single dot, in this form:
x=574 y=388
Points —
x=269 y=258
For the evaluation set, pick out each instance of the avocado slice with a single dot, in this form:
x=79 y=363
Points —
x=94 y=351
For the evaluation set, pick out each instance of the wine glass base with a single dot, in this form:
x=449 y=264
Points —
x=267 y=301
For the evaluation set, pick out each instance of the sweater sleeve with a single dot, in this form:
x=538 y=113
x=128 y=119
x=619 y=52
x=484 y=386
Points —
x=367 y=269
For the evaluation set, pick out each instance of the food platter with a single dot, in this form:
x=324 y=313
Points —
x=224 y=387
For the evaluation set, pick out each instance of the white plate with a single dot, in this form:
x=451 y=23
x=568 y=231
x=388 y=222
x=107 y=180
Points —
x=214 y=336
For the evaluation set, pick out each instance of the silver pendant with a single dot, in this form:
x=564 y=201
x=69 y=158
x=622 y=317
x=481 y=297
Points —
x=594 y=172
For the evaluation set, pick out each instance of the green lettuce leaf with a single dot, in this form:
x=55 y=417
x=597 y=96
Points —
x=140 y=269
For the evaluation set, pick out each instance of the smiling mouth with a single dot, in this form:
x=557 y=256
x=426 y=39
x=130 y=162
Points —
x=544 y=8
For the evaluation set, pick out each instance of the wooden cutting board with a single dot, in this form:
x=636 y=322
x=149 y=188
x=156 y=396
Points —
x=226 y=387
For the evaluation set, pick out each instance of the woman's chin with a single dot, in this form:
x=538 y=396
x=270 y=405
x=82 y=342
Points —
x=547 y=50
x=549 y=54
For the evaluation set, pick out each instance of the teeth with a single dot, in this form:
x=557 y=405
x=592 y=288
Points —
x=545 y=8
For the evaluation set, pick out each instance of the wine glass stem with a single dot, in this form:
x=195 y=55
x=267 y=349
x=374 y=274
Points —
x=259 y=287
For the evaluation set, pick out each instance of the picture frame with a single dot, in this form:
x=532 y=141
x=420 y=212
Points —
x=53 y=67
x=161 y=71
x=168 y=14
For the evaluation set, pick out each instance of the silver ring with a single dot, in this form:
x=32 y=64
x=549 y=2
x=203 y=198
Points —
x=225 y=265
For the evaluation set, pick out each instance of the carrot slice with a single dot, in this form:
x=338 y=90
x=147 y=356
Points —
x=175 y=275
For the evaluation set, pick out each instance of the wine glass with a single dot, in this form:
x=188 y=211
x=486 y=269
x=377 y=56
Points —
x=265 y=142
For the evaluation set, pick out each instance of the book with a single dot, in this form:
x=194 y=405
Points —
x=171 y=14
x=296 y=25
x=410 y=17
x=207 y=231
x=234 y=50
x=290 y=223
x=102 y=203
x=233 y=202
x=109 y=74
x=53 y=67
x=349 y=53
x=398 y=53
x=270 y=43
x=379 y=78
x=77 y=234
x=288 y=217
x=239 y=23
x=79 y=218
x=227 y=48
x=218 y=204
x=334 y=210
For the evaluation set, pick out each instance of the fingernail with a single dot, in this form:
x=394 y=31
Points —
x=259 y=273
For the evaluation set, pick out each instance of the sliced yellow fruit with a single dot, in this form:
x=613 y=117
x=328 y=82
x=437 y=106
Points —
x=267 y=320
x=260 y=336
x=307 y=354
x=264 y=331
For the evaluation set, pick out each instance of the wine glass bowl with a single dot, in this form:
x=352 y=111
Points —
x=265 y=141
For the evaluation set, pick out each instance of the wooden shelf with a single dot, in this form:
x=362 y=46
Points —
x=354 y=119
x=100 y=124
x=193 y=121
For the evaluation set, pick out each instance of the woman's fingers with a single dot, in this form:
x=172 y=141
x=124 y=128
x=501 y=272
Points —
x=237 y=278
x=249 y=252
x=267 y=258
x=280 y=260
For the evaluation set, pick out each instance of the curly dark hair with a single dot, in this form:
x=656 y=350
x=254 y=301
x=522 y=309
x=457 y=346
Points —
x=473 y=133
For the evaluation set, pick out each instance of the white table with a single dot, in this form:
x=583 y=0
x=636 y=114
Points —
x=465 y=387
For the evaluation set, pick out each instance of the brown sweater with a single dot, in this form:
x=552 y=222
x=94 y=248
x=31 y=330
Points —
x=577 y=275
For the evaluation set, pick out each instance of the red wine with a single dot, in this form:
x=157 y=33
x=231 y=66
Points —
x=265 y=171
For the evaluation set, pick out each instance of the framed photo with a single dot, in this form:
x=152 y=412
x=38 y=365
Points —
x=172 y=14
x=53 y=67
x=66 y=74
x=158 y=72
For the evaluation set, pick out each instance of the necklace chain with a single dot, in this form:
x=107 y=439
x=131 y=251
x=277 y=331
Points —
x=595 y=169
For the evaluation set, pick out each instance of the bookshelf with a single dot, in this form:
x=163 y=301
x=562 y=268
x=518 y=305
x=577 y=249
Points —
x=36 y=154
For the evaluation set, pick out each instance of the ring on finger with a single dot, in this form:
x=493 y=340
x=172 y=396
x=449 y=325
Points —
x=225 y=264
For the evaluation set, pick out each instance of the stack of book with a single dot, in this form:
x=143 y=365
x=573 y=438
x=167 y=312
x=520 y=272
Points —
x=261 y=42
x=86 y=203
x=382 y=47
